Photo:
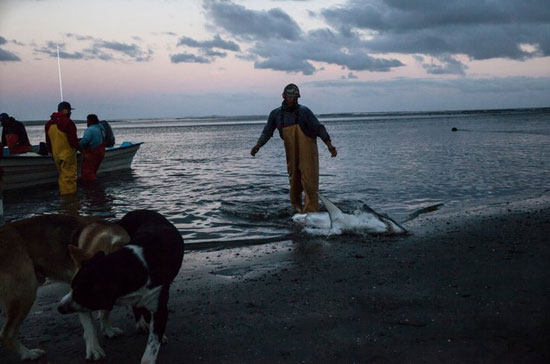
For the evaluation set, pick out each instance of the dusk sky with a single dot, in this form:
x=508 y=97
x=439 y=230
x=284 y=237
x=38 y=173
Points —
x=174 y=58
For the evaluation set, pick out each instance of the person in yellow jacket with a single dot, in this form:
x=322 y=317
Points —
x=299 y=129
x=62 y=142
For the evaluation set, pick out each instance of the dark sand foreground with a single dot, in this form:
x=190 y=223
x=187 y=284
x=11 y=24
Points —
x=469 y=288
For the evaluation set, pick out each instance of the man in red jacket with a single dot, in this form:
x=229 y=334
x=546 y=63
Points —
x=62 y=142
x=14 y=135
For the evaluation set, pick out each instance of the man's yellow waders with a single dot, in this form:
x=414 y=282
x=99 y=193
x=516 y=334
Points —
x=64 y=157
x=302 y=160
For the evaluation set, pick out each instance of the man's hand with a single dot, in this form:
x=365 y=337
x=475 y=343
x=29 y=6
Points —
x=255 y=149
x=332 y=149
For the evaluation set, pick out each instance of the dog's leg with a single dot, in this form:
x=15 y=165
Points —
x=105 y=325
x=143 y=318
x=15 y=314
x=93 y=349
x=157 y=328
x=18 y=304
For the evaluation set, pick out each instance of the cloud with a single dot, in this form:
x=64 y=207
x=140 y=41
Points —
x=208 y=50
x=350 y=76
x=482 y=29
x=212 y=53
x=7 y=56
x=79 y=37
x=94 y=48
x=283 y=63
x=188 y=58
x=132 y=51
x=50 y=49
x=217 y=42
x=446 y=65
x=297 y=56
x=252 y=24
x=278 y=43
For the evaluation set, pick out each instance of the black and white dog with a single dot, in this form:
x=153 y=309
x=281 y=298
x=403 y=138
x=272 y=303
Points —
x=139 y=275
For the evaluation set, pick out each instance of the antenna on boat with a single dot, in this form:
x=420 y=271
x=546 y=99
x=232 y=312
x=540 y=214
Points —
x=59 y=71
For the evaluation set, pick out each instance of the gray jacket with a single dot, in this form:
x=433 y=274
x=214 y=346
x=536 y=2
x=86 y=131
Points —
x=301 y=115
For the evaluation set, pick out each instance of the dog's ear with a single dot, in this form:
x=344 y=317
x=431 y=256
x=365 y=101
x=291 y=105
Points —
x=78 y=255
x=119 y=240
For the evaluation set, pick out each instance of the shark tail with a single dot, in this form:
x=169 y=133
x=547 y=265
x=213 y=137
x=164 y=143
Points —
x=421 y=211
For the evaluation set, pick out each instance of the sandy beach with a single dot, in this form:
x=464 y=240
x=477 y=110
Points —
x=470 y=287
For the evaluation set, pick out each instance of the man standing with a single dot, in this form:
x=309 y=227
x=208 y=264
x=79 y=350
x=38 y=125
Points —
x=299 y=129
x=62 y=142
x=92 y=145
x=14 y=135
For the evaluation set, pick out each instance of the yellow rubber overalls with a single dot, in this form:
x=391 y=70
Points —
x=64 y=157
x=302 y=160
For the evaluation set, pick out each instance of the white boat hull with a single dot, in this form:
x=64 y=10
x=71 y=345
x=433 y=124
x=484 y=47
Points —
x=31 y=169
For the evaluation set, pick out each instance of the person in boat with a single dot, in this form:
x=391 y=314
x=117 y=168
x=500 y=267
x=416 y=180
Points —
x=109 y=135
x=62 y=142
x=14 y=135
x=299 y=129
x=92 y=145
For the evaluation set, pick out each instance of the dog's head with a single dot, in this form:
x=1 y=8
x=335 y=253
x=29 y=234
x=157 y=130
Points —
x=91 y=288
x=98 y=236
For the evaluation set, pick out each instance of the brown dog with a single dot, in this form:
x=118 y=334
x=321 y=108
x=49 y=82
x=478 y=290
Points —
x=34 y=249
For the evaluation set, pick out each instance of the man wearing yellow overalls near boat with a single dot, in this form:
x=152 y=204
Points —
x=62 y=142
x=299 y=129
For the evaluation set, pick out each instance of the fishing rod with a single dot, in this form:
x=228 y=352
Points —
x=59 y=72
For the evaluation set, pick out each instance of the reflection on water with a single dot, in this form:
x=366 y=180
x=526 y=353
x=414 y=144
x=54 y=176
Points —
x=204 y=180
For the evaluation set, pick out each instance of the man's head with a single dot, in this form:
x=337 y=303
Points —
x=92 y=119
x=291 y=93
x=4 y=118
x=64 y=107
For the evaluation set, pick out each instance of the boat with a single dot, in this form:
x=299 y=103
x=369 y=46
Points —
x=32 y=169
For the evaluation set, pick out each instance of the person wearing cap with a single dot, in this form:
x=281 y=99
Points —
x=14 y=135
x=299 y=129
x=92 y=145
x=62 y=142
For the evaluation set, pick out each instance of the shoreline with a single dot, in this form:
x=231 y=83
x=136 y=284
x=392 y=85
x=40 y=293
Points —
x=470 y=286
x=356 y=114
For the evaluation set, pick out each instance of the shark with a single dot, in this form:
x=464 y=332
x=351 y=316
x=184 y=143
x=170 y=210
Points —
x=335 y=221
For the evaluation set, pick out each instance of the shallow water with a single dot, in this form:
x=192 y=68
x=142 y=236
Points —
x=202 y=177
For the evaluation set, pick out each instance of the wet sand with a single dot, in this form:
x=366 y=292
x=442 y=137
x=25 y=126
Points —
x=472 y=287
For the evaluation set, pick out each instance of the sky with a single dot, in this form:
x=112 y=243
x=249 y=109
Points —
x=175 y=58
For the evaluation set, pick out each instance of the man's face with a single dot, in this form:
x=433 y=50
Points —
x=290 y=101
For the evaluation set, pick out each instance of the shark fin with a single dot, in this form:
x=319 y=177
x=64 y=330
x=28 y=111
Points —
x=333 y=211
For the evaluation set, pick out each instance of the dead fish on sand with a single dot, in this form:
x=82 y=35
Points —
x=335 y=221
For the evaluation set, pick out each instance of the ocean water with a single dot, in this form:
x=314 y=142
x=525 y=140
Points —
x=200 y=175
